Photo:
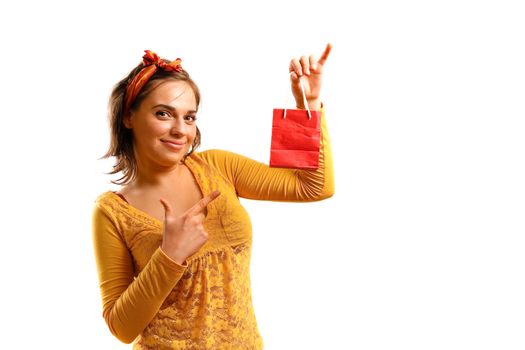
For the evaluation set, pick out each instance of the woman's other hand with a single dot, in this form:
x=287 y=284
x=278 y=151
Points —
x=185 y=235
x=309 y=71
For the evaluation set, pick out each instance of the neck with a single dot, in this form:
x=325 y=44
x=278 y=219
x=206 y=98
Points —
x=156 y=175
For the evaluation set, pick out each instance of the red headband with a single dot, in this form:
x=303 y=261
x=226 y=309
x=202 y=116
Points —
x=151 y=62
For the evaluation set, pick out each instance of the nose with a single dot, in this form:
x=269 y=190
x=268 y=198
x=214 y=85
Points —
x=178 y=127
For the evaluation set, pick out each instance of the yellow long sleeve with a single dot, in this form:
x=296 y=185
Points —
x=129 y=303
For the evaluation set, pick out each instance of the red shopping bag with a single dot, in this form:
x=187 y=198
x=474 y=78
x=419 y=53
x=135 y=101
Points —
x=295 y=139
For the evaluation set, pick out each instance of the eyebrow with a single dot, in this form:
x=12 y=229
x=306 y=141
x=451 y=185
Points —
x=171 y=108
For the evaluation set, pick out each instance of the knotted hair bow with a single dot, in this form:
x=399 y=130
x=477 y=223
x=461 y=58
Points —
x=152 y=63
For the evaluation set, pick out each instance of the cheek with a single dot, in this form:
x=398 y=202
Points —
x=193 y=133
x=147 y=133
x=156 y=128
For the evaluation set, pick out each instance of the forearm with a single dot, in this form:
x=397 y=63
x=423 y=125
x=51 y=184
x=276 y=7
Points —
x=129 y=303
x=128 y=315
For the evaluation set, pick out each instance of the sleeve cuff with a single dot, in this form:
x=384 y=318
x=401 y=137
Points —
x=168 y=262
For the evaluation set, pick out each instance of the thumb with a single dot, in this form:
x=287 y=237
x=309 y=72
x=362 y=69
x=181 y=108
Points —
x=167 y=207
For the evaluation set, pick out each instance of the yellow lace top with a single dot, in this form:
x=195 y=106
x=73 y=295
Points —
x=152 y=301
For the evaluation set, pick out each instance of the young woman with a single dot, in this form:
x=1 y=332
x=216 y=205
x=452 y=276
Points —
x=173 y=244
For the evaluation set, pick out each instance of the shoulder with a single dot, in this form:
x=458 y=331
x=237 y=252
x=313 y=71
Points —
x=215 y=163
x=108 y=204
x=217 y=156
x=212 y=153
x=105 y=199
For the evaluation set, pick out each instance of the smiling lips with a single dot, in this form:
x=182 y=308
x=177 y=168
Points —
x=174 y=144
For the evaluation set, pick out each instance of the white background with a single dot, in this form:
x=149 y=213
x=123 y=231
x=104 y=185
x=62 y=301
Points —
x=422 y=246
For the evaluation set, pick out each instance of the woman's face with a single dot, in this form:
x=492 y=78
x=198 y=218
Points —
x=164 y=124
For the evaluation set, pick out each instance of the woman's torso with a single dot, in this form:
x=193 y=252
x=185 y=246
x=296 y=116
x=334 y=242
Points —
x=211 y=306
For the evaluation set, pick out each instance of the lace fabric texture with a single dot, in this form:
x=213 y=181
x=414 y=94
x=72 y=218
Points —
x=150 y=300
x=210 y=308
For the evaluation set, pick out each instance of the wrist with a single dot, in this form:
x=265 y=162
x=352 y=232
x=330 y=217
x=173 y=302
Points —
x=172 y=254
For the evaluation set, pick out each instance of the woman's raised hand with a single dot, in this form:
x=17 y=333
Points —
x=185 y=235
x=309 y=71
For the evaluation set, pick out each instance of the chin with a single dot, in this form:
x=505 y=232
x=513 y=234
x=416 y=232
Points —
x=175 y=156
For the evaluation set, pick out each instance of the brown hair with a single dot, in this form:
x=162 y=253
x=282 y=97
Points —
x=121 y=138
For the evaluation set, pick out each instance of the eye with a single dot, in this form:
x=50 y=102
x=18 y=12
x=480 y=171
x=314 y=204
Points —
x=162 y=114
x=190 y=117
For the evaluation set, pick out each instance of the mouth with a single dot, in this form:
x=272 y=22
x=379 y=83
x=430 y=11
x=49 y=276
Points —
x=174 y=145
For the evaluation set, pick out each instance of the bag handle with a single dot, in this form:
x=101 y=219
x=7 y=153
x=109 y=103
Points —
x=304 y=101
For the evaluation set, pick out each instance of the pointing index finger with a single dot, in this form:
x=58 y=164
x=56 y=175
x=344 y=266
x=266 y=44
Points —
x=203 y=203
x=325 y=54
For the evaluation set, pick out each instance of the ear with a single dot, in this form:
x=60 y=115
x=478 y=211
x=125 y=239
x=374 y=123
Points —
x=127 y=120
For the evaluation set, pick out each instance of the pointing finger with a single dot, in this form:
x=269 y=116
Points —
x=325 y=54
x=203 y=203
